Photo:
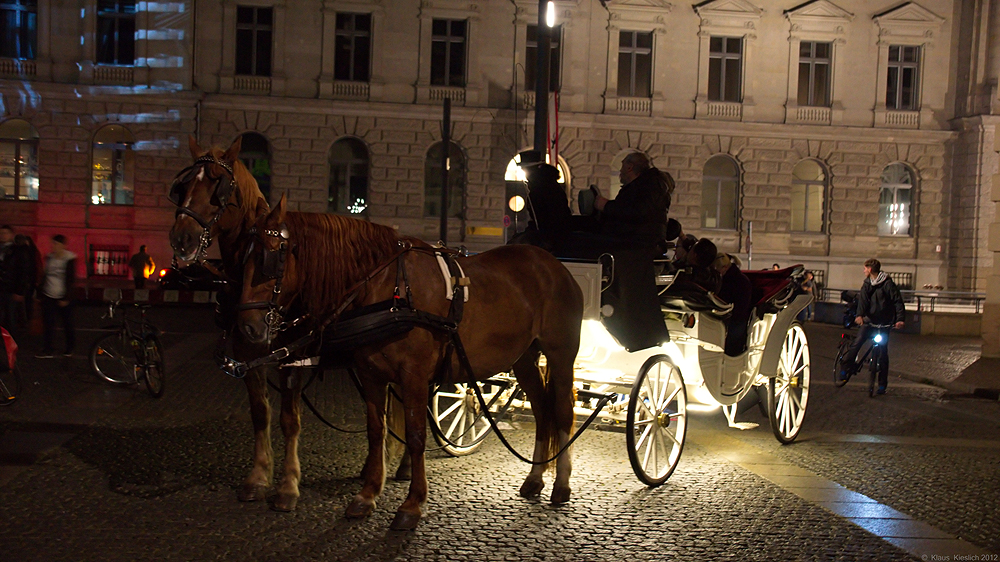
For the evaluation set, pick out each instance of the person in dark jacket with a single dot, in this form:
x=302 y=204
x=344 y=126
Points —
x=56 y=293
x=549 y=206
x=736 y=290
x=639 y=211
x=879 y=303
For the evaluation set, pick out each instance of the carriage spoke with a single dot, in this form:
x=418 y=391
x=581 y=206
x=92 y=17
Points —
x=450 y=409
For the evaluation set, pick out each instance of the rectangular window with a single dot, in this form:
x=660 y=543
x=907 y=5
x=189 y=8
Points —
x=814 y=74
x=635 y=64
x=531 y=58
x=894 y=211
x=116 y=32
x=903 y=78
x=253 y=40
x=725 y=59
x=352 y=59
x=448 y=38
x=18 y=28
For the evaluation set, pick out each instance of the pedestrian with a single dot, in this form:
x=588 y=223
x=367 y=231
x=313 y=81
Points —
x=809 y=288
x=775 y=267
x=56 y=293
x=140 y=264
x=879 y=302
x=25 y=277
x=8 y=271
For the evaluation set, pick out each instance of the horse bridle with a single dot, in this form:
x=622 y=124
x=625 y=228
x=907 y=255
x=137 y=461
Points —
x=221 y=194
x=272 y=267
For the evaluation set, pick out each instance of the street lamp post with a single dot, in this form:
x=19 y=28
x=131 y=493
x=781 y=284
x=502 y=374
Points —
x=542 y=83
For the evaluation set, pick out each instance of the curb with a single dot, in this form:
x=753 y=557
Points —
x=952 y=387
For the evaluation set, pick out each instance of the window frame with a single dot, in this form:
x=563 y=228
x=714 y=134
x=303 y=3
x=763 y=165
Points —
x=813 y=61
x=17 y=176
x=896 y=188
x=352 y=35
x=255 y=29
x=123 y=152
x=723 y=57
x=900 y=66
x=27 y=28
x=449 y=41
x=115 y=18
x=531 y=57
x=824 y=188
x=350 y=163
x=633 y=52
x=718 y=180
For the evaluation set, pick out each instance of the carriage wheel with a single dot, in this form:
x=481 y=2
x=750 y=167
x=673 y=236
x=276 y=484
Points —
x=789 y=389
x=456 y=412
x=657 y=420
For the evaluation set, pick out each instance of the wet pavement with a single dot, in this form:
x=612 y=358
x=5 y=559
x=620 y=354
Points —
x=93 y=472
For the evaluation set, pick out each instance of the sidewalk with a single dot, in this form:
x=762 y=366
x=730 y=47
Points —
x=948 y=362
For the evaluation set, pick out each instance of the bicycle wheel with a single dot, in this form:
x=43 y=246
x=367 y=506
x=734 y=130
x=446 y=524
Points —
x=10 y=386
x=113 y=360
x=845 y=344
x=154 y=369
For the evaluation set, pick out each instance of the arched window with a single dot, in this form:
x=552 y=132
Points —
x=432 y=180
x=255 y=152
x=894 y=201
x=719 y=193
x=113 y=179
x=808 y=196
x=18 y=161
x=348 y=177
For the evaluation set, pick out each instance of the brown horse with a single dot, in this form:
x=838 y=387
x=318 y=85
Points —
x=521 y=302
x=218 y=199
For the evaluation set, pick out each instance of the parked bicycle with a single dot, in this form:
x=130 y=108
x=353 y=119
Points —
x=871 y=354
x=10 y=377
x=132 y=353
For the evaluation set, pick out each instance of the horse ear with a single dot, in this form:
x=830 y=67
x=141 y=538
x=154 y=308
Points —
x=234 y=150
x=277 y=214
x=196 y=150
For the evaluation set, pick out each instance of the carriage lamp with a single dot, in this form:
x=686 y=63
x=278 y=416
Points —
x=516 y=203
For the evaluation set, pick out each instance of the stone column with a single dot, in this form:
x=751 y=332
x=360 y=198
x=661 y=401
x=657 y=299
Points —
x=991 y=310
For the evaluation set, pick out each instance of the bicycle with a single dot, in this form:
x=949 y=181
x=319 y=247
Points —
x=130 y=354
x=870 y=355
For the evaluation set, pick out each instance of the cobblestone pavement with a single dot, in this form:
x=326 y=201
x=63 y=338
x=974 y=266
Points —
x=116 y=475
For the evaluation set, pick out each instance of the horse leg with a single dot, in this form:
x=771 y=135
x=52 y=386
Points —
x=291 y=425
x=373 y=473
x=415 y=412
x=395 y=423
x=559 y=394
x=259 y=480
x=530 y=380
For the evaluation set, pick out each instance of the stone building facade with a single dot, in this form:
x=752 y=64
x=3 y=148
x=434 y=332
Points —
x=687 y=84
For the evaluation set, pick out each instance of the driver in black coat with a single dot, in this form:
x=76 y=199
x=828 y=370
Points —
x=639 y=212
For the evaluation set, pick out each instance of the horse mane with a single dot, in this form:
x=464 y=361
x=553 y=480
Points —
x=338 y=251
x=246 y=185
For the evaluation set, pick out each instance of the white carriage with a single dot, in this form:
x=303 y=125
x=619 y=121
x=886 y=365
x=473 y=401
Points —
x=648 y=392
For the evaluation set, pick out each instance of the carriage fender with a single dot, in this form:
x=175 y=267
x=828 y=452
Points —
x=776 y=336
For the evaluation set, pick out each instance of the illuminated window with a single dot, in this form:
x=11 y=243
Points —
x=894 y=201
x=253 y=40
x=432 y=181
x=808 y=196
x=255 y=153
x=352 y=60
x=114 y=167
x=635 y=64
x=348 y=177
x=448 y=39
x=531 y=58
x=18 y=28
x=902 y=82
x=814 y=74
x=18 y=161
x=719 y=193
x=116 y=32
x=725 y=60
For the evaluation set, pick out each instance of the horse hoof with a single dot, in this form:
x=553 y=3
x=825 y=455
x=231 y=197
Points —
x=560 y=495
x=405 y=521
x=285 y=503
x=252 y=493
x=404 y=473
x=360 y=508
x=531 y=487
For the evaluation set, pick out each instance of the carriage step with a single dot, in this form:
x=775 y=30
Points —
x=582 y=394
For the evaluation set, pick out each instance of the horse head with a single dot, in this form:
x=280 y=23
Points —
x=216 y=194
x=270 y=282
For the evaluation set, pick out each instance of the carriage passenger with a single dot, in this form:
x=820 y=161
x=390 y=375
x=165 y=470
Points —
x=736 y=290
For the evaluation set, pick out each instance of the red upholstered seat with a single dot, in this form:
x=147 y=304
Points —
x=768 y=283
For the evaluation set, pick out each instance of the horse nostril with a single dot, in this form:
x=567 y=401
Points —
x=251 y=332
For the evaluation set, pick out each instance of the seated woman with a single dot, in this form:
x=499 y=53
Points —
x=736 y=290
x=697 y=276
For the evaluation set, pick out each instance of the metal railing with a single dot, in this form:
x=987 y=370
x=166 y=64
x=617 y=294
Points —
x=967 y=302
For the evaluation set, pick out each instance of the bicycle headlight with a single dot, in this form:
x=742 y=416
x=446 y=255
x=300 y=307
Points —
x=877 y=338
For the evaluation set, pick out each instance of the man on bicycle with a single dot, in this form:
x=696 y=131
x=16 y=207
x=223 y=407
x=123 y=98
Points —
x=879 y=302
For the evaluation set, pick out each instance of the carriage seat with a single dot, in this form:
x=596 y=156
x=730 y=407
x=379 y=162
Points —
x=681 y=293
x=772 y=288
